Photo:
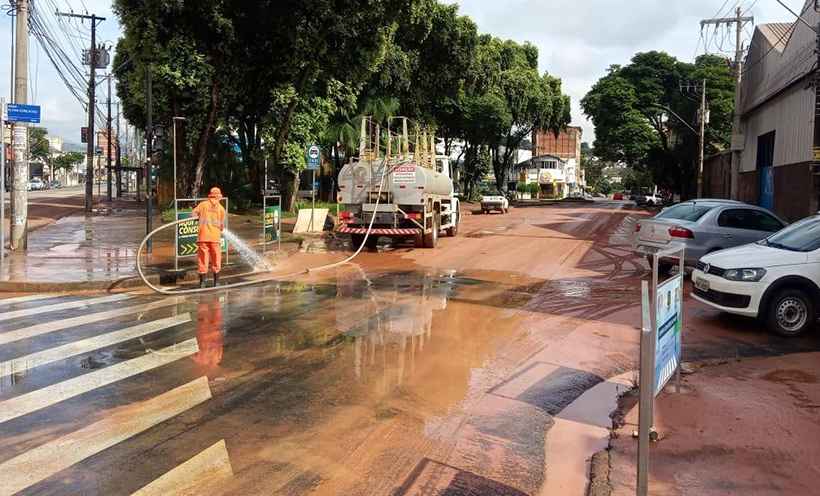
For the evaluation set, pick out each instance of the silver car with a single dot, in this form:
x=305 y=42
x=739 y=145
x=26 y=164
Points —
x=705 y=226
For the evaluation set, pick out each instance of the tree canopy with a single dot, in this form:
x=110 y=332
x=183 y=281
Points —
x=633 y=108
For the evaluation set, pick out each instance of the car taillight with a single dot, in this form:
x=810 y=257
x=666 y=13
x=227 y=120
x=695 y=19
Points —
x=637 y=227
x=681 y=232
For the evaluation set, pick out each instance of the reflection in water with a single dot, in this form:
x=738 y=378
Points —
x=389 y=321
x=209 y=331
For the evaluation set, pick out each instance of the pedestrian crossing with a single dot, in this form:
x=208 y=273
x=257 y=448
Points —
x=107 y=428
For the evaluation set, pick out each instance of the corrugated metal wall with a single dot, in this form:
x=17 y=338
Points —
x=791 y=115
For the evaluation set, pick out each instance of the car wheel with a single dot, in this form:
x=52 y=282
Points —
x=791 y=312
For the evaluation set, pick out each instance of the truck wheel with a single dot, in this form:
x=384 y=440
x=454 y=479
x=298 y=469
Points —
x=356 y=241
x=431 y=240
x=791 y=312
x=453 y=231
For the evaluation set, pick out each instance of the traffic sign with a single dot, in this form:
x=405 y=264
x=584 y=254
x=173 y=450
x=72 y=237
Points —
x=18 y=112
x=314 y=157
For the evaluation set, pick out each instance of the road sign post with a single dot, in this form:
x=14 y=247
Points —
x=661 y=350
x=271 y=221
x=187 y=233
x=314 y=161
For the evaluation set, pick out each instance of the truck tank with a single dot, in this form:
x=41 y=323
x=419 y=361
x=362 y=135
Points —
x=407 y=182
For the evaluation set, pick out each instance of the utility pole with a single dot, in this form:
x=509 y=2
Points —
x=92 y=85
x=703 y=117
x=149 y=134
x=737 y=137
x=19 y=172
x=817 y=114
x=108 y=140
x=119 y=155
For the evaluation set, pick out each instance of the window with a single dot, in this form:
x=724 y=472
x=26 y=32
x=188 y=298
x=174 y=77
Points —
x=801 y=236
x=685 y=211
x=753 y=220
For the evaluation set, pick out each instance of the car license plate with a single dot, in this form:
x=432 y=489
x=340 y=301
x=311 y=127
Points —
x=702 y=284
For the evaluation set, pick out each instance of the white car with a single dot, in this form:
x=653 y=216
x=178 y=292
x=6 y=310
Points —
x=776 y=279
x=494 y=201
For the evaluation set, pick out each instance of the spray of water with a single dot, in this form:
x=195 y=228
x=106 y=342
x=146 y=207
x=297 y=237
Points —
x=246 y=253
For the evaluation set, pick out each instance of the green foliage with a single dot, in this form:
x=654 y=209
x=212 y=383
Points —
x=534 y=189
x=521 y=187
x=67 y=160
x=38 y=144
x=633 y=126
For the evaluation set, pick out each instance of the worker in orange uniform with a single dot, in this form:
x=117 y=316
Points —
x=211 y=217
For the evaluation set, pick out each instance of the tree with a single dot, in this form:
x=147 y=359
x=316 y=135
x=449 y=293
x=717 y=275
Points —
x=67 y=161
x=38 y=144
x=630 y=109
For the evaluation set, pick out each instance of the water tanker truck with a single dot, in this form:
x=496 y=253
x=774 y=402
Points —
x=406 y=194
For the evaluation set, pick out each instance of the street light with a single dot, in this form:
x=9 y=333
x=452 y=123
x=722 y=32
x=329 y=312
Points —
x=174 y=124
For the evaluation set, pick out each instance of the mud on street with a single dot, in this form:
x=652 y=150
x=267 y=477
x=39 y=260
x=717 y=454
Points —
x=487 y=366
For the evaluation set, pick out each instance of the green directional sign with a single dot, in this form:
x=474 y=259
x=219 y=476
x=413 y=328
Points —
x=187 y=234
x=273 y=216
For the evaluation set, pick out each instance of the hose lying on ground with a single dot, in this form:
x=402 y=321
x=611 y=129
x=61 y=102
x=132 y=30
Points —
x=173 y=291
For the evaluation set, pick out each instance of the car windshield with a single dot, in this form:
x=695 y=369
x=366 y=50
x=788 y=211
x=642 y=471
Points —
x=800 y=236
x=685 y=211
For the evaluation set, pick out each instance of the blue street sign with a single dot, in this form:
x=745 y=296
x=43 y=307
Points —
x=18 y=112
x=314 y=157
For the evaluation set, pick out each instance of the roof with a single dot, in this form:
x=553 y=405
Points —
x=777 y=34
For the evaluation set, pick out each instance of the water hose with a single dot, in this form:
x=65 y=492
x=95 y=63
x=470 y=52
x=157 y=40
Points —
x=174 y=292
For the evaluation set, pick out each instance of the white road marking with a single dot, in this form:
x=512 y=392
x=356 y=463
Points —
x=45 y=397
x=194 y=476
x=24 y=299
x=121 y=424
x=58 y=325
x=51 y=355
x=62 y=306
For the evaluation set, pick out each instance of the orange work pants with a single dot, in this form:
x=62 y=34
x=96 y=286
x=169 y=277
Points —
x=207 y=251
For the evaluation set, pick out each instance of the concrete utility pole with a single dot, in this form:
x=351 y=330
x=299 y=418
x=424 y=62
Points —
x=817 y=112
x=702 y=141
x=108 y=140
x=19 y=172
x=119 y=156
x=92 y=100
x=737 y=138
x=148 y=149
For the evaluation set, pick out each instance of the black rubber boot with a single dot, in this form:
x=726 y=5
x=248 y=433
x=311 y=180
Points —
x=201 y=280
x=216 y=279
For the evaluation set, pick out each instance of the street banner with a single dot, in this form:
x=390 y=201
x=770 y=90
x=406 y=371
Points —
x=187 y=234
x=668 y=335
x=273 y=216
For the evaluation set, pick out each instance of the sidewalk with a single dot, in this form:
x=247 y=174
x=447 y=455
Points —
x=738 y=427
x=98 y=252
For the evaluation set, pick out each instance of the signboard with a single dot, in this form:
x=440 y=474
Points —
x=187 y=234
x=668 y=335
x=404 y=174
x=273 y=216
x=314 y=157
x=18 y=112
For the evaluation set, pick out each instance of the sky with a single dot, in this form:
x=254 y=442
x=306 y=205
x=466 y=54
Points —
x=577 y=41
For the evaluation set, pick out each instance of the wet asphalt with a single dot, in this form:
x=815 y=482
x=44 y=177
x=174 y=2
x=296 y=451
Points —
x=406 y=373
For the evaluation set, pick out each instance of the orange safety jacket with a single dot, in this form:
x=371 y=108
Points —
x=211 y=221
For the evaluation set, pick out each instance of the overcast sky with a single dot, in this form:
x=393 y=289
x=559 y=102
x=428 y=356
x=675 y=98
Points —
x=577 y=39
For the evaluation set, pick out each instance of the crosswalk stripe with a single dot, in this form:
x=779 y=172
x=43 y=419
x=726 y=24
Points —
x=123 y=423
x=62 y=306
x=24 y=299
x=44 y=357
x=45 y=397
x=58 y=325
x=193 y=476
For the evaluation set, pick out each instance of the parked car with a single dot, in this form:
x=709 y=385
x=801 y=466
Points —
x=36 y=184
x=704 y=226
x=55 y=184
x=776 y=279
x=494 y=200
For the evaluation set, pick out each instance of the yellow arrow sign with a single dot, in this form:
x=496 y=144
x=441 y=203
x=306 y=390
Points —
x=187 y=249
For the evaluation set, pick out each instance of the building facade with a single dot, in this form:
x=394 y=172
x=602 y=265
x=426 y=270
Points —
x=777 y=168
x=566 y=146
